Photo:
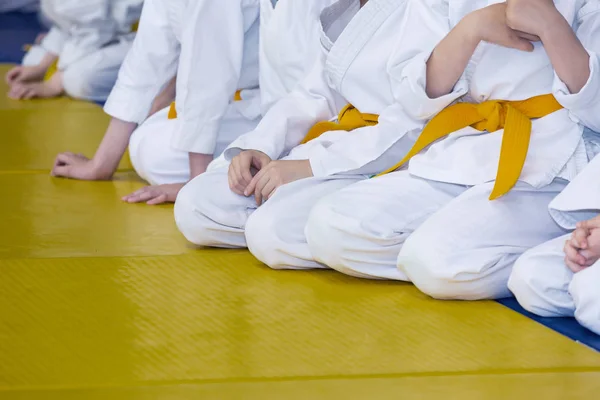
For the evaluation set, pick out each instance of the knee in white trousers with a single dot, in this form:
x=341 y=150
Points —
x=466 y=250
x=585 y=289
x=540 y=280
x=276 y=233
x=328 y=235
x=264 y=240
x=208 y=214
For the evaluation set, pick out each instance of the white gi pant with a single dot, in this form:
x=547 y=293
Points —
x=208 y=213
x=91 y=77
x=158 y=163
x=545 y=286
x=449 y=240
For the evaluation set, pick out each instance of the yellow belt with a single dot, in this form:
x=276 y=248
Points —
x=51 y=70
x=512 y=116
x=348 y=119
x=173 y=109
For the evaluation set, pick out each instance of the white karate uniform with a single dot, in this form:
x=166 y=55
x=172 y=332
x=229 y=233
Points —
x=91 y=39
x=19 y=5
x=540 y=279
x=359 y=63
x=212 y=47
x=433 y=224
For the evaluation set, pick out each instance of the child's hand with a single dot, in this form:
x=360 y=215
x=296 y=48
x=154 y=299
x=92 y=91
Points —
x=276 y=174
x=489 y=24
x=23 y=73
x=154 y=195
x=534 y=17
x=573 y=248
x=589 y=247
x=78 y=166
x=242 y=167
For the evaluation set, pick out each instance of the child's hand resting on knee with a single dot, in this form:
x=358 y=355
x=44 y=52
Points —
x=243 y=167
x=583 y=248
x=277 y=173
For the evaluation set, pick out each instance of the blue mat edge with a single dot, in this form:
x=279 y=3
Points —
x=568 y=327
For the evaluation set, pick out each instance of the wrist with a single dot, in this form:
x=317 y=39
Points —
x=308 y=169
x=554 y=24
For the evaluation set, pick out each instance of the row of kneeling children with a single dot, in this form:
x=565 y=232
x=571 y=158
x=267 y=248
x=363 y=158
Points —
x=445 y=143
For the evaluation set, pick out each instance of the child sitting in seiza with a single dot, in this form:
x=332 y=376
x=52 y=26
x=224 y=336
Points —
x=212 y=49
x=81 y=54
x=526 y=75
x=296 y=158
x=561 y=278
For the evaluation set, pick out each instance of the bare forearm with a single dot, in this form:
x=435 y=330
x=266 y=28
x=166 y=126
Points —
x=568 y=56
x=449 y=60
x=165 y=97
x=113 y=146
x=48 y=60
x=199 y=163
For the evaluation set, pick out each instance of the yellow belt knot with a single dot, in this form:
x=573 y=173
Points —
x=512 y=116
x=349 y=119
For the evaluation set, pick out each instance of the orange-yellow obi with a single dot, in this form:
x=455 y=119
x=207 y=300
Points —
x=512 y=116
x=348 y=120
x=173 y=109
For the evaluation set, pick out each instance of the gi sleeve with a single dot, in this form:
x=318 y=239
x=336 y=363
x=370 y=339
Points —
x=54 y=41
x=412 y=94
x=209 y=70
x=584 y=106
x=288 y=121
x=149 y=65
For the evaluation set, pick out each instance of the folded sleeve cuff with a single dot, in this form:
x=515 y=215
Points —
x=127 y=104
x=195 y=136
x=587 y=97
x=54 y=41
x=412 y=93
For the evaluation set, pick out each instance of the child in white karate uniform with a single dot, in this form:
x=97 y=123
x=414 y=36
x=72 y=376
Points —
x=293 y=159
x=205 y=54
x=81 y=54
x=561 y=278
x=512 y=85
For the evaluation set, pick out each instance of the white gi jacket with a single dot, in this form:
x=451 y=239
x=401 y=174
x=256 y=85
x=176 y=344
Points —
x=470 y=157
x=289 y=45
x=82 y=27
x=363 y=56
x=212 y=47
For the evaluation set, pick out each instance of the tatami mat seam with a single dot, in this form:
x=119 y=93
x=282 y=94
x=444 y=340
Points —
x=491 y=372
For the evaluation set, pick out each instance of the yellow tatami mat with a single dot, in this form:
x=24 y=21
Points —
x=105 y=300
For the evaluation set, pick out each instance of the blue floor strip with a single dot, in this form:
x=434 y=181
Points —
x=566 y=326
x=18 y=29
